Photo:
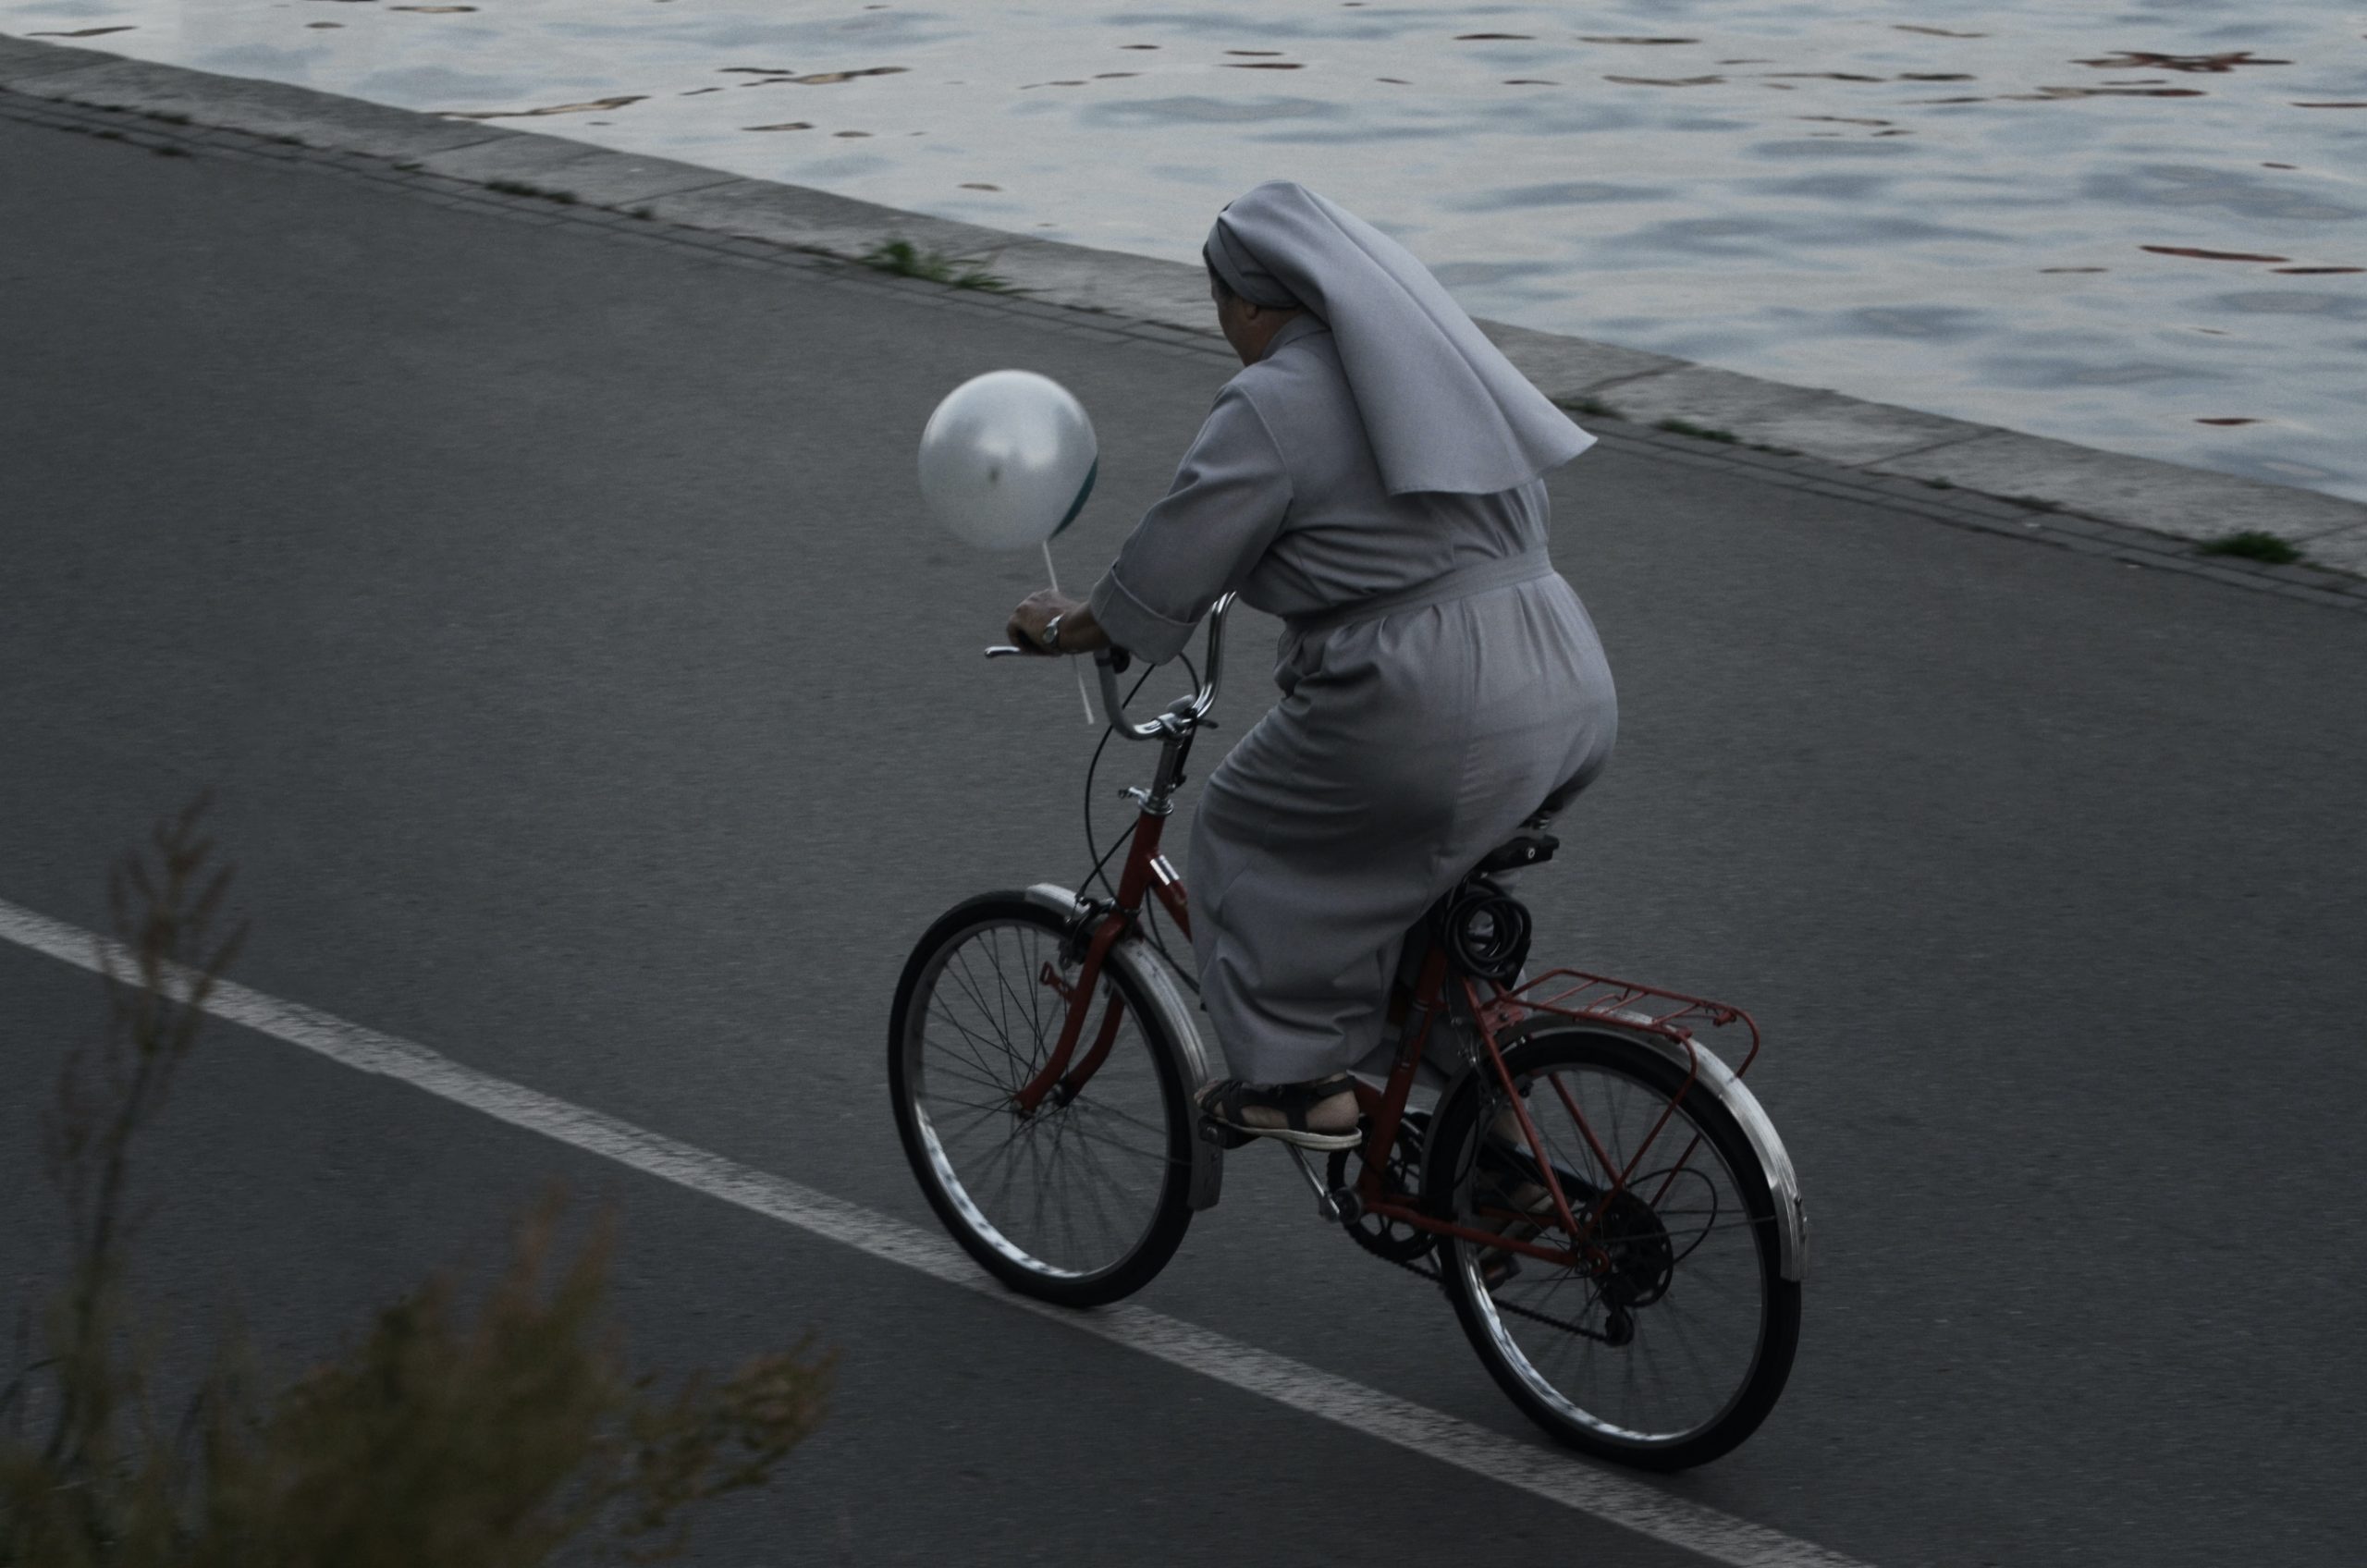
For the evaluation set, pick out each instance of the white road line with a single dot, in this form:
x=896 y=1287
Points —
x=1531 y=1467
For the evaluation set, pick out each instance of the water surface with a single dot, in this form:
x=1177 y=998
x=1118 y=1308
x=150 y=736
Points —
x=2141 y=227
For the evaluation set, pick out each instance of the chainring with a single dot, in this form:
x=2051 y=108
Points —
x=1384 y=1238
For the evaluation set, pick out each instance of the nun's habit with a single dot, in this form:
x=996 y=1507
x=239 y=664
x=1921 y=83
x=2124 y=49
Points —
x=1373 y=480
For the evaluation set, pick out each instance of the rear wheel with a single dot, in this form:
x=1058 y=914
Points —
x=1671 y=1339
x=1081 y=1202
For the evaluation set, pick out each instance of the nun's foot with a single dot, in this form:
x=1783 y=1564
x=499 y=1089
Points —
x=1320 y=1115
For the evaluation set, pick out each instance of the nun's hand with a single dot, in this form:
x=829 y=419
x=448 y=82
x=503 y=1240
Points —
x=1079 y=632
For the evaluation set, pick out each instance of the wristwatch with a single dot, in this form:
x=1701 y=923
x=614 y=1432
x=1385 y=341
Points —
x=1053 y=635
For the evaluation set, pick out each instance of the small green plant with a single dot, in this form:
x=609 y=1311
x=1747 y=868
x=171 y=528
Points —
x=499 y=1438
x=519 y=188
x=1593 y=406
x=1699 y=432
x=904 y=259
x=2251 y=544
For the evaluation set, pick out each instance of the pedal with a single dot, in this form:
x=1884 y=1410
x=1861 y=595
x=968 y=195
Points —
x=1225 y=1137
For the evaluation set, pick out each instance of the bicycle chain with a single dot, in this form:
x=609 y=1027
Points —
x=1431 y=1272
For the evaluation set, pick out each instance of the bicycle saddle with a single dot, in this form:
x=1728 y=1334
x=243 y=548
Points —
x=1520 y=850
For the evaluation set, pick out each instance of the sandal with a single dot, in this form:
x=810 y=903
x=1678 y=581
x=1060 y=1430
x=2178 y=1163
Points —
x=1228 y=1101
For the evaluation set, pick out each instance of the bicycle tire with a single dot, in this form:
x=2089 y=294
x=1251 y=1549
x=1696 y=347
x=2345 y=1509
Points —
x=1453 y=1179
x=1147 y=1058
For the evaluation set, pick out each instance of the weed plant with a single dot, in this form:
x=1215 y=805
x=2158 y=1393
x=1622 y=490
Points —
x=2251 y=544
x=904 y=259
x=492 y=1436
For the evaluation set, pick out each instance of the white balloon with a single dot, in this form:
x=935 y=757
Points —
x=1007 y=460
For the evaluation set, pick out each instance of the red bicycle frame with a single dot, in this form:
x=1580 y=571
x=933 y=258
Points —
x=1493 y=1009
x=1569 y=994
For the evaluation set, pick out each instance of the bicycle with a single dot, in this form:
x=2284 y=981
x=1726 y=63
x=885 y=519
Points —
x=1044 y=1065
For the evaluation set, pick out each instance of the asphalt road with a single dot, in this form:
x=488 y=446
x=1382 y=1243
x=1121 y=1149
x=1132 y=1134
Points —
x=586 y=700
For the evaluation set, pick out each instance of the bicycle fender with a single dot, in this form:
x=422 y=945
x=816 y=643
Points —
x=1157 y=981
x=1783 y=1181
x=1758 y=1128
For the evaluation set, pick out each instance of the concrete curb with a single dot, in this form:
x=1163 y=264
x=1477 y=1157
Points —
x=1969 y=475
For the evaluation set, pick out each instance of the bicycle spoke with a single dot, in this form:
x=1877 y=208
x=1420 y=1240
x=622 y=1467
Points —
x=1656 y=1333
x=1075 y=1188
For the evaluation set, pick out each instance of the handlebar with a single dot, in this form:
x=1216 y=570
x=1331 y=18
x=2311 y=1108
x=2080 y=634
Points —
x=1182 y=714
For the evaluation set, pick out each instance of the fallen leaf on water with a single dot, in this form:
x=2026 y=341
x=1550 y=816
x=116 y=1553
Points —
x=2047 y=94
x=1031 y=86
x=2143 y=59
x=2227 y=422
x=85 y=31
x=1665 y=80
x=1585 y=38
x=826 y=78
x=1485 y=37
x=1113 y=76
x=2362 y=105
x=1934 y=76
x=852 y=135
x=754 y=71
x=979 y=185
x=323 y=24
x=1393 y=80
x=2208 y=255
x=1935 y=31
x=434 y=10
x=1924 y=101
x=1839 y=119
x=2313 y=271
x=1821 y=76
x=2280 y=166
x=1259 y=66
x=1262 y=54
x=785 y=125
x=1529 y=81
x=1137 y=45
x=594 y=106
x=696 y=91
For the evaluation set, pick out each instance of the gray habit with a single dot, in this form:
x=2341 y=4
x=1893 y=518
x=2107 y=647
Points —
x=1408 y=742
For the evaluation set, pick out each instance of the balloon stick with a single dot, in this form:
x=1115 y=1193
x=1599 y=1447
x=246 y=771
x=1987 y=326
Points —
x=1081 y=695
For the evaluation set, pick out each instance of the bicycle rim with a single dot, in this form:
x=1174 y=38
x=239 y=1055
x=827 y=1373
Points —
x=1076 y=1195
x=1669 y=1344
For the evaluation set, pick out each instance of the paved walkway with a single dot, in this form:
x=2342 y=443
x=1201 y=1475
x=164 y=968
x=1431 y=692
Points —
x=547 y=599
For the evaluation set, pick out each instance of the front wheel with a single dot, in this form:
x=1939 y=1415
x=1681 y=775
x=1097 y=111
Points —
x=1084 y=1201
x=1669 y=1339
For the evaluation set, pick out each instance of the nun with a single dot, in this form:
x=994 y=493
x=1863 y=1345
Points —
x=1373 y=476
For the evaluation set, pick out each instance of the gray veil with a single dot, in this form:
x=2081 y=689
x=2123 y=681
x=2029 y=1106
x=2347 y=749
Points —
x=1443 y=408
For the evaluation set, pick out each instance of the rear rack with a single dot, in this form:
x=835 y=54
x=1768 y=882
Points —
x=1581 y=998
